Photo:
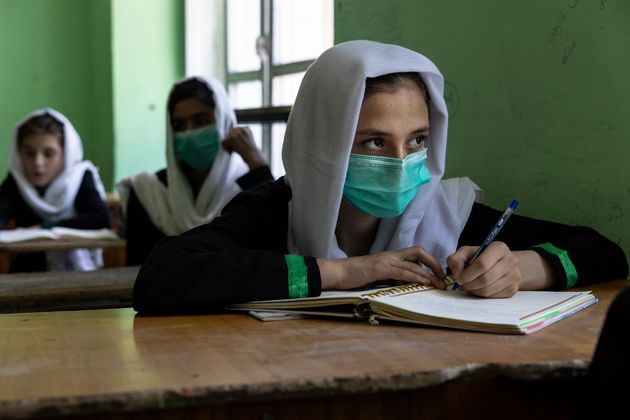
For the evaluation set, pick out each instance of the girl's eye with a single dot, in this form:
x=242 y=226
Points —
x=178 y=125
x=201 y=120
x=418 y=142
x=375 y=143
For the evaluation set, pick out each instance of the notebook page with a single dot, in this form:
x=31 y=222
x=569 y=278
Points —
x=70 y=233
x=19 y=235
x=459 y=305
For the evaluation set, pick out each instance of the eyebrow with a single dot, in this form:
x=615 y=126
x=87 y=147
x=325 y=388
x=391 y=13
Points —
x=375 y=131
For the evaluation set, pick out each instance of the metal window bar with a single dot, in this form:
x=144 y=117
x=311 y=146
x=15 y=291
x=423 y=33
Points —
x=267 y=114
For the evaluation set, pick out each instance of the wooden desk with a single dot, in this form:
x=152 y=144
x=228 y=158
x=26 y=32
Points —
x=113 y=249
x=110 y=363
x=106 y=288
x=59 y=245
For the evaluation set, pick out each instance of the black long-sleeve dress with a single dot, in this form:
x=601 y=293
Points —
x=241 y=255
x=141 y=234
x=91 y=213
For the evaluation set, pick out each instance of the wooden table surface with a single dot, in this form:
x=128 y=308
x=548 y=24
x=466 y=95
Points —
x=62 y=244
x=113 y=361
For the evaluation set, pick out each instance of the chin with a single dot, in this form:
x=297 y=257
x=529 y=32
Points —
x=39 y=183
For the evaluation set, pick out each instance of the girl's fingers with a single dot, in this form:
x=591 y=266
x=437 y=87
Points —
x=503 y=288
x=420 y=255
x=457 y=260
x=416 y=273
x=502 y=278
x=495 y=252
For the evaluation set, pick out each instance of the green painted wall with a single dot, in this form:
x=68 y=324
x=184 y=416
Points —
x=100 y=144
x=106 y=64
x=52 y=54
x=539 y=96
x=148 y=57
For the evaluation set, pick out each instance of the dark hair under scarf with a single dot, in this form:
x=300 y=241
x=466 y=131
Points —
x=189 y=88
x=391 y=81
x=40 y=124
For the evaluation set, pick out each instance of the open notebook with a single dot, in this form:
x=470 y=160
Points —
x=523 y=313
x=56 y=233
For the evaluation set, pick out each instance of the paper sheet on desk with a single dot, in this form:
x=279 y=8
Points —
x=274 y=316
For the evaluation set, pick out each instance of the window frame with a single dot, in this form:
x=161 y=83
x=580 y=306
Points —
x=267 y=72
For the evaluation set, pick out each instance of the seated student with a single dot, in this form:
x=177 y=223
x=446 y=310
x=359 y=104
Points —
x=202 y=173
x=363 y=201
x=49 y=184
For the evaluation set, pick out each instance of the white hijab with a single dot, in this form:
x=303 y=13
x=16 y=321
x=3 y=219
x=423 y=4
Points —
x=173 y=209
x=317 y=145
x=57 y=203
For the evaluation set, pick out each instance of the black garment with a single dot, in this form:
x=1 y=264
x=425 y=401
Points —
x=239 y=256
x=91 y=213
x=142 y=234
x=605 y=387
x=589 y=251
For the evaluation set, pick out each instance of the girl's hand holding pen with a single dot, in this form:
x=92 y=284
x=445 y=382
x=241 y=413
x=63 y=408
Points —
x=494 y=273
x=489 y=270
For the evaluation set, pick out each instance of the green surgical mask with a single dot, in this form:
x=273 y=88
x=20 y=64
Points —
x=197 y=148
x=382 y=186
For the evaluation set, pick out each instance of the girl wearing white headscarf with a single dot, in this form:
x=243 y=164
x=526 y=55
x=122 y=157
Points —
x=363 y=201
x=202 y=173
x=49 y=184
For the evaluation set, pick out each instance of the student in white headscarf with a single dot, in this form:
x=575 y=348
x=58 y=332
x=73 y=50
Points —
x=49 y=184
x=209 y=160
x=363 y=201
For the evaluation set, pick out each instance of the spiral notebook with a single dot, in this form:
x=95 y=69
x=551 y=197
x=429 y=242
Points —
x=55 y=233
x=523 y=313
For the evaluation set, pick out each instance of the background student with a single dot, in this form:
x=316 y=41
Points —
x=209 y=160
x=363 y=201
x=49 y=184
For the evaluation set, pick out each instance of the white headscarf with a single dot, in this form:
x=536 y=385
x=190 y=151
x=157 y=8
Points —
x=57 y=203
x=173 y=209
x=317 y=145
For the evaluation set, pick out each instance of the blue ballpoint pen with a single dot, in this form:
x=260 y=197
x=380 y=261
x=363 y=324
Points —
x=493 y=233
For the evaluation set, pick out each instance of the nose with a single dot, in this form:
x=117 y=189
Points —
x=399 y=152
x=40 y=160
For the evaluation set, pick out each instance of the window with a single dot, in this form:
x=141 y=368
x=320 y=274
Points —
x=260 y=49
x=269 y=45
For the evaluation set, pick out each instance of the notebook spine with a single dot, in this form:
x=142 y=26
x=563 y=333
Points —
x=398 y=290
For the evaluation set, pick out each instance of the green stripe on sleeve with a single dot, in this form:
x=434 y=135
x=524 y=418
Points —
x=567 y=264
x=297 y=276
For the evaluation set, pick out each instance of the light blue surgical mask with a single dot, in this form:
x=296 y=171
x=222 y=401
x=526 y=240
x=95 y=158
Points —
x=383 y=186
x=197 y=148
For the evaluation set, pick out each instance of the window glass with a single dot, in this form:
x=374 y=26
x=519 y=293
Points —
x=285 y=88
x=302 y=30
x=243 y=28
x=245 y=95
x=277 y=138
x=257 y=133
